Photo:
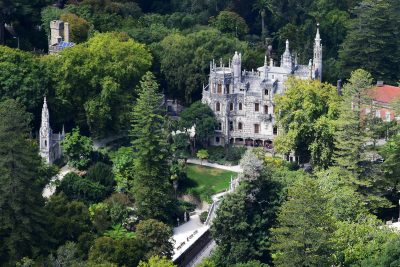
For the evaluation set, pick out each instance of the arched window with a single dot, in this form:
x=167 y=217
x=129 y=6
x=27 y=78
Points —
x=240 y=126
x=45 y=143
x=231 y=106
x=240 y=106
x=218 y=106
x=219 y=127
x=219 y=88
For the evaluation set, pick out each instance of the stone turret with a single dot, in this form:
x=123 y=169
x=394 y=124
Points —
x=237 y=67
x=287 y=57
x=317 y=56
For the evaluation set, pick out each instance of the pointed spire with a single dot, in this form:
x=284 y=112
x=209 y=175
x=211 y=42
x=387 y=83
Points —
x=45 y=114
x=317 y=37
x=287 y=45
x=63 y=131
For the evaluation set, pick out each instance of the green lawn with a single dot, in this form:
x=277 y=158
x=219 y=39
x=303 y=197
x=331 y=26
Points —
x=206 y=181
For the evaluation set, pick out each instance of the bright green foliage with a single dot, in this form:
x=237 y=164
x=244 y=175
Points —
x=185 y=60
x=118 y=232
x=389 y=256
x=157 y=262
x=23 y=220
x=303 y=236
x=21 y=77
x=157 y=237
x=202 y=117
x=124 y=252
x=202 y=154
x=360 y=240
x=207 y=262
x=95 y=80
x=230 y=22
x=69 y=219
x=363 y=48
x=339 y=186
x=152 y=191
x=77 y=148
x=243 y=220
x=122 y=168
x=305 y=114
x=251 y=264
x=79 y=27
x=350 y=135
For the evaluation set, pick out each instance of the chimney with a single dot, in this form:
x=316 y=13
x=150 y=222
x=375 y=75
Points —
x=66 y=32
x=339 y=87
x=379 y=83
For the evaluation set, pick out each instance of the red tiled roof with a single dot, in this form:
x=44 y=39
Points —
x=385 y=93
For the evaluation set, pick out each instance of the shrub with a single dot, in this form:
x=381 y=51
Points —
x=203 y=216
x=101 y=173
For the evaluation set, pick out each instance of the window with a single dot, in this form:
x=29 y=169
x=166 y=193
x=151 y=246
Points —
x=387 y=116
x=227 y=88
x=213 y=88
x=240 y=126
x=218 y=106
x=265 y=109
x=256 y=128
x=45 y=143
x=219 y=88
x=240 y=106
x=378 y=113
x=219 y=127
x=231 y=126
x=275 y=130
x=217 y=140
x=256 y=107
x=265 y=91
x=231 y=106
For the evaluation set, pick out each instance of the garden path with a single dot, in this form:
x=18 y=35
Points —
x=235 y=168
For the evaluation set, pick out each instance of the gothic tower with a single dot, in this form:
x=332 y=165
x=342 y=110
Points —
x=287 y=57
x=317 y=56
x=237 y=67
x=45 y=133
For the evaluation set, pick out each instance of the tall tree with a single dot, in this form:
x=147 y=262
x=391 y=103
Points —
x=22 y=218
x=305 y=228
x=151 y=188
x=350 y=136
x=306 y=113
x=373 y=40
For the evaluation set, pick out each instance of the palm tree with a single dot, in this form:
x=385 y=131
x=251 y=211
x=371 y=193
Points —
x=262 y=6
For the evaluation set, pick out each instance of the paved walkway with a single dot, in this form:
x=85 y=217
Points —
x=50 y=188
x=186 y=234
x=235 y=168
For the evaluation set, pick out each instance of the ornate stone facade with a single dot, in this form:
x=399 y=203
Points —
x=243 y=101
x=49 y=143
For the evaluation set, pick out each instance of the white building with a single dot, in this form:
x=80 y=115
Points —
x=243 y=101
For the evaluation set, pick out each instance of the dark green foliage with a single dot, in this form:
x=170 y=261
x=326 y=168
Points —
x=203 y=118
x=372 y=42
x=151 y=188
x=203 y=216
x=81 y=188
x=229 y=155
x=101 y=173
x=230 y=22
x=156 y=237
x=23 y=221
x=127 y=252
x=69 y=219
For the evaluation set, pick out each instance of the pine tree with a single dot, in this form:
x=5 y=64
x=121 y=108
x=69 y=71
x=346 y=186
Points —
x=305 y=228
x=350 y=136
x=151 y=188
x=22 y=217
x=373 y=40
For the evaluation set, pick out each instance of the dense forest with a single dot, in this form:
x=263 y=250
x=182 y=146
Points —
x=117 y=205
x=182 y=37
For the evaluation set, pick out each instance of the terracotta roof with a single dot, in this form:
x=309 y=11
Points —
x=385 y=93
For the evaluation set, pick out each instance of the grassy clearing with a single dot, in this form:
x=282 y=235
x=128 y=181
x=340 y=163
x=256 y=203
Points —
x=205 y=181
